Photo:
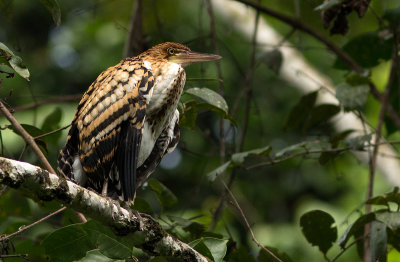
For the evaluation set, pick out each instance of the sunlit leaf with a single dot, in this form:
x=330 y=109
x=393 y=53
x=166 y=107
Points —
x=14 y=61
x=211 y=247
x=352 y=97
x=358 y=142
x=210 y=97
x=238 y=158
x=218 y=171
x=317 y=227
x=210 y=100
x=357 y=228
x=327 y=4
x=96 y=255
x=54 y=9
x=390 y=219
x=163 y=194
x=378 y=241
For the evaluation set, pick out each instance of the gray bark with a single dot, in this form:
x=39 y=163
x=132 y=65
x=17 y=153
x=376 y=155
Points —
x=42 y=185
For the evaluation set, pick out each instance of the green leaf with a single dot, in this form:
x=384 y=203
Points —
x=14 y=61
x=238 y=158
x=264 y=256
x=106 y=241
x=218 y=171
x=188 y=118
x=358 y=142
x=378 y=242
x=301 y=111
x=241 y=254
x=52 y=120
x=195 y=229
x=166 y=259
x=390 y=219
x=317 y=227
x=272 y=59
x=60 y=243
x=320 y=114
x=355 y=229
x=163 y=194
x=211 y=100
x=368 y=50
x=213 y=248
x=327 y=5
x=356 y=79
x=34 y=132
x=393 y=16
x=54 y=9
x=352 y=97
x=96 y=256
x=143 y=206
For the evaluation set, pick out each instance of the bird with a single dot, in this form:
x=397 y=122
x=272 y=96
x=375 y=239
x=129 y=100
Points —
x=127 y=121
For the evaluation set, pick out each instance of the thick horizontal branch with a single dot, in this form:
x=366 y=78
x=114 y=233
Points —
x=40 y=184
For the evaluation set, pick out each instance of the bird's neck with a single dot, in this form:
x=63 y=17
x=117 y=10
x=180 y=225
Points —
x=169 y=82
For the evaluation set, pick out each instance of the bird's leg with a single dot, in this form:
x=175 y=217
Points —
x=105 y=187
x=132 y=212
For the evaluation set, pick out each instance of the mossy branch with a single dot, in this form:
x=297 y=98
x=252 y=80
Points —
x=42 y=185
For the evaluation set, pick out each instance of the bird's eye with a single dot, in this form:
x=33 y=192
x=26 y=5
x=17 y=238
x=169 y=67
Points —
x=171 y=51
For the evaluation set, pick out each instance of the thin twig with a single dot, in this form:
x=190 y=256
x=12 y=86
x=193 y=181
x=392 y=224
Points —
x=31 y=142
x=24 y=256
x=60 y=99
x=52 y=132
x=214 y=40
x=345 y=248
x=23 y=228
x=237 y=206
x=248 y=94
x=134 y=44
x=27 y=137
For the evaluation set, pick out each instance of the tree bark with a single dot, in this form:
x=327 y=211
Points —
x=42 y=185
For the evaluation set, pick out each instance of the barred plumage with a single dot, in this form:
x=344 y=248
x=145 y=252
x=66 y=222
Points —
x=127 y=121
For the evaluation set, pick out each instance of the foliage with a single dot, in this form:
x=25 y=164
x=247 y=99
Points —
x=242 y=121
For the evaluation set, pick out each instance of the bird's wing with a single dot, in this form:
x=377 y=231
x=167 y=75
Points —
x=110 y=118
x=166 y=143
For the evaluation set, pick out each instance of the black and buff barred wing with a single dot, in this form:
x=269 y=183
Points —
x=108 y=126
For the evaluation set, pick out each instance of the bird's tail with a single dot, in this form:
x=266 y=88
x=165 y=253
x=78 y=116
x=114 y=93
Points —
x=64 y=163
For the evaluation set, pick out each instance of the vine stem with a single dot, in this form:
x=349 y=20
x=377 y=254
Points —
x=373 y=158
x=253 y=237
x=23 y=228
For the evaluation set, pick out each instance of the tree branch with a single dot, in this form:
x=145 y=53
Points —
x=342 y=55
x=26 y=136
x=45 y=186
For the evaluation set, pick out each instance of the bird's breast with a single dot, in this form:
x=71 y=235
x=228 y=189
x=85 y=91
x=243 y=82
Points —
x=169 y=82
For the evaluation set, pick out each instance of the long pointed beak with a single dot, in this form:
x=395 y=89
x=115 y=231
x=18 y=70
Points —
x=191 y=57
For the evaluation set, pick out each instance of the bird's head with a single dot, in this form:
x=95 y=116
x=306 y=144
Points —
x=179 y=54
